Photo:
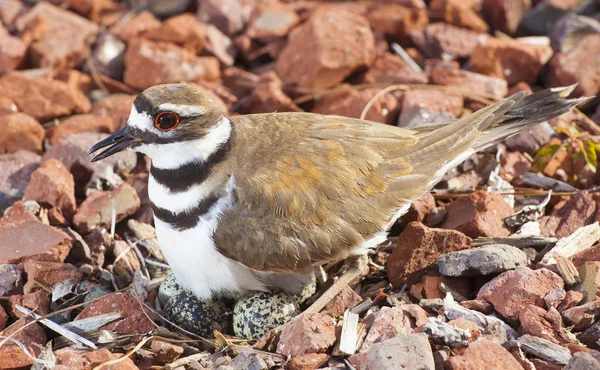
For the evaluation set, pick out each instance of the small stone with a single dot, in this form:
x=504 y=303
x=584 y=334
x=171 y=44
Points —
x=134 y=320
x=43 y=99
x=80 y=123
x=578 y=211
x=64 y=40
x=510 y=59
x=227 y=15
x=530 y=140
x=31 y=336
x=555 y=297
x=108 y=56
x=418 y=211
x=219 y=45
x=514 y=167
x=580 y=65
x=572 y=299
x=10 y=10
x=271 y=21
x=51 y=184
x=544 y=349
x=135 y=26
x=183 y=30
x=33 y=240
x=344 y=300
x=396 y=22
x=309 y=333
x=149 y=63
x=268 y=97
x=483 y=354
x=352 y=103
x=15 y=171
x=429 y=286
x=165 y=352
x=582 y=316
x=308 y=361
x=479 y=214
x=505 y=15
x=414 y=102
x=12 y=51
x=440 y=39
x=20 y=132
x=386 y=324
x=48 y=274
x=478 y=305
x=313 y=59
x=584 y=360
x=570 y=29
x=417 y=250
x=486 y=260
x=392 y=69
x=96 y=209
x=408 y=351
x=591 y=336
x=38 y=301
x=511 y=291
x=72 y=152
x=447 y=75
x=115 y=106
x=73 y=359
x=11 y=280
x=458 y=13
x=544 y=324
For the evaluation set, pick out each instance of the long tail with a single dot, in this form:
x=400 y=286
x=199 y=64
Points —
x=523 y=110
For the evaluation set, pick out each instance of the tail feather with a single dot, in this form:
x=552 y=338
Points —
x=528 y=110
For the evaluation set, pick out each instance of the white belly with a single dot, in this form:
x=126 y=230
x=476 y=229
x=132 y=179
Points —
x=192 y=255
x=198 y=266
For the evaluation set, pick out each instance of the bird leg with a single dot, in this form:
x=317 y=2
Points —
x=355 y=265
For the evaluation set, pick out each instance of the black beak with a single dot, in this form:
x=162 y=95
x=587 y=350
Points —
x=118 y=141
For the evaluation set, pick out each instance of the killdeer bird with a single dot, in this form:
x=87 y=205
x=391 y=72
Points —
x=252 y=202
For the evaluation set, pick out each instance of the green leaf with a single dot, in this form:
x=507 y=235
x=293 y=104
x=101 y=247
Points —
x=544 y=156
x=589 y=153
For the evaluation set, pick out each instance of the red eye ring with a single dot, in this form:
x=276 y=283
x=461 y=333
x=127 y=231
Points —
x=166 y=121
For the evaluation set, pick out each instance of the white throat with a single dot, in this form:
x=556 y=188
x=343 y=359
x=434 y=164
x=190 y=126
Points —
x=175 y=155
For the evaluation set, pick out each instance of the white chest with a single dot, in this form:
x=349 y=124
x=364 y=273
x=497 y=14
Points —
x=191 y=253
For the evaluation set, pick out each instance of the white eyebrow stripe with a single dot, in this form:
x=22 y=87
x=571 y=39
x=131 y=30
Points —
x=142 y=121
x=182 y=110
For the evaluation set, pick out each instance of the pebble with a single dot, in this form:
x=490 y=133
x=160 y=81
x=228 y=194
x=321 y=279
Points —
x=486 y=260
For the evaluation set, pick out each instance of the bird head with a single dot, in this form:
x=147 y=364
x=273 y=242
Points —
x=163 y=116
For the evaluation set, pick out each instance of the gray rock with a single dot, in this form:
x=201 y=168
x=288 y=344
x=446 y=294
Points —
x=249 y=361
x=591 y=335
x=544 y=349
x=441 y=332
x=11 y=280
x=584 y=360
x=405 y=351
x=570 y=29
x=15 y=171
x=486 y=260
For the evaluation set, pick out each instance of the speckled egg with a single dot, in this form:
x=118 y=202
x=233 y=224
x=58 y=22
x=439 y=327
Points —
x=255 y=314
x=183 y=308
x=308 y=290
x=169 y=288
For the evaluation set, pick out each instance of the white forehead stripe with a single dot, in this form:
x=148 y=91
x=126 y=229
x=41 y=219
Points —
x=182 y=110
x=141 y=121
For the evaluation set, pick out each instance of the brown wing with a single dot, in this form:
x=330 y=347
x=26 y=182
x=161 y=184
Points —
x=312 y=188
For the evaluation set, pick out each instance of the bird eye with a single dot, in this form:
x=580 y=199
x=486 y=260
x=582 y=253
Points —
x=166 y=121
